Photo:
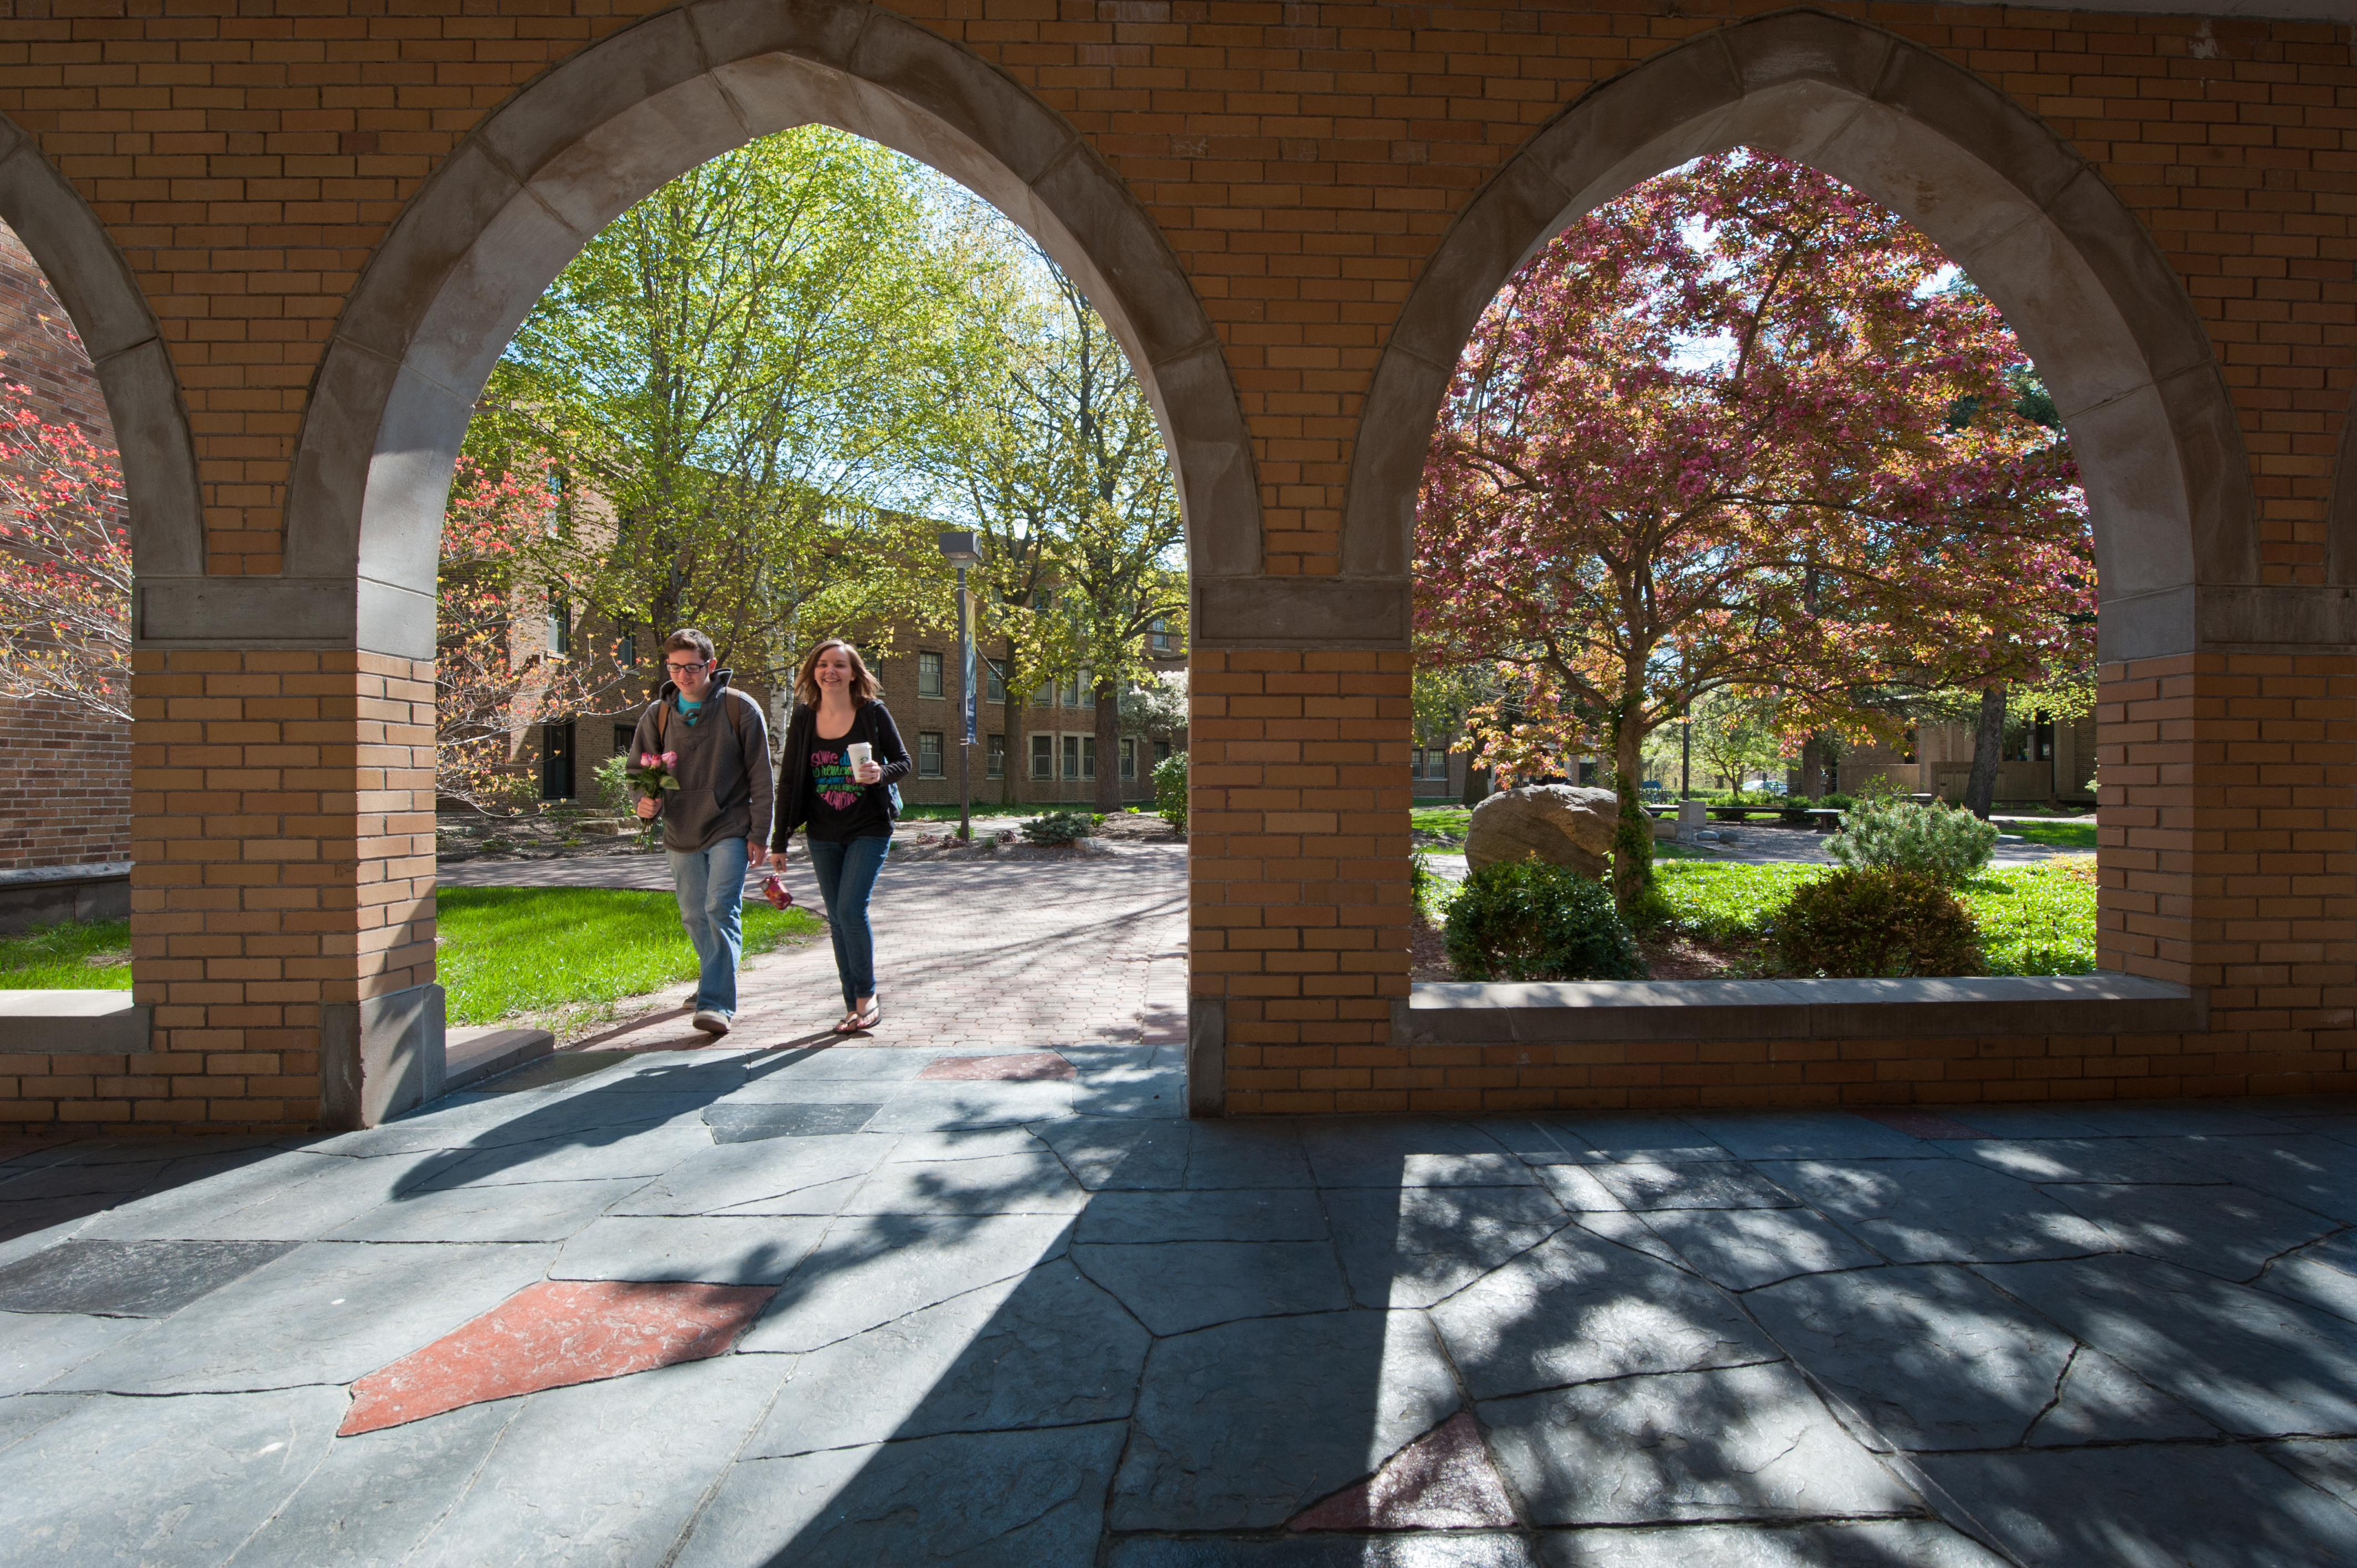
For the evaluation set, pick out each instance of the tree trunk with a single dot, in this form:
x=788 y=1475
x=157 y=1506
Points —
x=1812 y=765
x=1477 y=783
x=1988 y=738
x=1018 y=754
x=1108 y=746
x=1632 y=839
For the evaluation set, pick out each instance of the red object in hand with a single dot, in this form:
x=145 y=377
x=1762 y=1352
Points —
x=775 y=892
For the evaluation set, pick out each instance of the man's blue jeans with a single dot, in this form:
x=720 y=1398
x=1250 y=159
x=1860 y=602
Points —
x=711 y=887
x=846 y=874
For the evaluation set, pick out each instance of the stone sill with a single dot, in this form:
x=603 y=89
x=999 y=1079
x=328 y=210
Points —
x=65 y=875
x=73 y=1023
x=1538 y=1013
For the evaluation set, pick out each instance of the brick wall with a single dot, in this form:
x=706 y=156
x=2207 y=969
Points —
x=65 y=776
x=65 y=787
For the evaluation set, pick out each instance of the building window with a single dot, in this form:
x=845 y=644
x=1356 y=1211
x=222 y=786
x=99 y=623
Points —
x=1043 y=756
x=622 y=734
x=1071 y=756
x=929 y=754
x=1045 y=697
x=997 y=682
x=928 y=674
x=2042 y=730
x=556 y=760
x=1084 y=690
x=1079 y=757
x=1073 y=688
x=1157 y=636
x=626 y=651
x=560 y=627
x=995 y=757
x=1129 y=759
x=1161 y=751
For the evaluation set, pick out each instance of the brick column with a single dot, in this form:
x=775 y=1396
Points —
x=1298 y=851
x=282 y=823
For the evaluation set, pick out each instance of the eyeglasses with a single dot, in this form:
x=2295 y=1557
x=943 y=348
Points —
x=683 y=668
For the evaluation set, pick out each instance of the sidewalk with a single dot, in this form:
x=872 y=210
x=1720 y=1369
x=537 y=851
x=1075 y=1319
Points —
x=976 y=1292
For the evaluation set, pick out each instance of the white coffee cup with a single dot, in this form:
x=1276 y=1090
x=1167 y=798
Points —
x=861 y=754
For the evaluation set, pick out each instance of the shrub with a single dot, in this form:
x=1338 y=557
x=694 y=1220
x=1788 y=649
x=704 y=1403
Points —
x=1061 y=827
x=1525 y=919
x=613 y=780
x=1942 y=843
x=1876 y=921
x=1170 y=789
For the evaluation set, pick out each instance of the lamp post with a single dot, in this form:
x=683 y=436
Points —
x=1686 y=757
x=958 y=549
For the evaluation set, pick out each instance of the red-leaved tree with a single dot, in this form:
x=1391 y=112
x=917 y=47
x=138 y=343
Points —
x=1743 y=428
x=494 y=673
x=65 y=567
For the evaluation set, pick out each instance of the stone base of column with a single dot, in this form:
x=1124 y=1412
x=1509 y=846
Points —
x=380 y=1056
x=1207 y=1057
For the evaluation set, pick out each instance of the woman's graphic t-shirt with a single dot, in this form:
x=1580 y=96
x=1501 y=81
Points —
x=840 y=806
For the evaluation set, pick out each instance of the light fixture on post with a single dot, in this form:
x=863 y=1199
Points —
x=959 y=549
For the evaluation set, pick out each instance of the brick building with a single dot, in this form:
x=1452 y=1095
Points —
x=65 y=775
x=296 y=237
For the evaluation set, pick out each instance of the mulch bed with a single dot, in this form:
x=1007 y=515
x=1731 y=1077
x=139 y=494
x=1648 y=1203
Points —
x=1669 y=956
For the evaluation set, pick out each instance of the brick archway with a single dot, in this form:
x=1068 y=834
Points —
x=515 y=201
x=86 y=269
x=2107 y=320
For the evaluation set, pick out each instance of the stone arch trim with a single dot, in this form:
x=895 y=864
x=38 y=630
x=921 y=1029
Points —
x=2078 y=277
x=118 y=331
x=521 y=196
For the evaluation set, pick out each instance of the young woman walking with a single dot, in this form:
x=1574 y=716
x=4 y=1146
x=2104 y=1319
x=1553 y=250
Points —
x=841 y=756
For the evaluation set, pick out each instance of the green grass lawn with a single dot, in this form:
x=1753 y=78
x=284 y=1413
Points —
x=506 y=950
x=2034 y=919
x=69 y=956
x=1446 y=820
x=2061 y=834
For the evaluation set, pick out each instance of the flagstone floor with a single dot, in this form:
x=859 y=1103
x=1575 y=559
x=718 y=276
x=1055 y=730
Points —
x=985 y=1297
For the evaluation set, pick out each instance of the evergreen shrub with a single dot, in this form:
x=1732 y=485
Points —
x=1170 y=789
x=1876 y=922
x=1943 y=842
x=1061 y=827
x=1526 y=919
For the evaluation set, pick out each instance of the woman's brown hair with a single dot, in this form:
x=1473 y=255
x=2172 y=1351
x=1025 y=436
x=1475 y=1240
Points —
x=863 y=685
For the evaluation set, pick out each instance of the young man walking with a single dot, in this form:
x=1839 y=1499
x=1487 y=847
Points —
x=718 y=818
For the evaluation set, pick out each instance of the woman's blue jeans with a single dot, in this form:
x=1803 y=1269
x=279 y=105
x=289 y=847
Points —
x=711 y=887
x=846 y=874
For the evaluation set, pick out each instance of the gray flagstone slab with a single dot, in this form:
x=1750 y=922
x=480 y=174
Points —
x=160 y=1480
x=733 y=1123
x=2254 y=1362
x=574 y=1158
x=1281 y=1214
x=1690 y=1185
x=1576 y=1188
x=730 y=1249
x=129 y=1278
x=2328 y=1464
x=926 y=1106
x=376 y=1496
x=1004 y=1183
x=327 y=1313
x=873 y=1269
x=1785 y=1135
x=1175 y=1287
x=1456 y=1549
x=1860 y=1544
x=1939 y=1210
x=21 y=1418
x=531 y=1211
x=37 y=1348
x=1576 y=1307
x=1928 y=1355
x=608 y=1471
x=2317 y=1173
x=2152 y=1506
x=2323 y=1276
x=2230 y=1231
x=1738 y=1443
x=2102 y=1402
x=773 y=1173
x=2107 y=1160
x=1246 y=1155
x=1044 y=1349
x=1415 y=1246
x=1031 y=1498
x=1745 y=1248
x=1131 y=1155
x=292 y=1198
x=1244 y=1425
x=1392 y=1154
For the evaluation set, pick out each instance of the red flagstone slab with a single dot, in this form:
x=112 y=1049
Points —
x=1027 y=1067
x=552 y=1334
x=1923 y=1124
x=1443 y=1480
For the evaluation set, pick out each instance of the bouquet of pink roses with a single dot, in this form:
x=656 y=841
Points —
x=652 y=776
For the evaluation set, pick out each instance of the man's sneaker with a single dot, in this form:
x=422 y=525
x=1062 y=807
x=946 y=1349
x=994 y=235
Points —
x=712 y=1023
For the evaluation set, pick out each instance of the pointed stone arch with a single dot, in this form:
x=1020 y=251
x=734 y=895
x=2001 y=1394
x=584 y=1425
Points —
x=518 y=198
x=119 y=332
x=2106 y=318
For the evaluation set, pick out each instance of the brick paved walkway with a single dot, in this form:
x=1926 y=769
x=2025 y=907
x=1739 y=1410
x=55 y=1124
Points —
x=968 y=955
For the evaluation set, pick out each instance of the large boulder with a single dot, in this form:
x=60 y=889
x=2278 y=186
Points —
x=1558 y=822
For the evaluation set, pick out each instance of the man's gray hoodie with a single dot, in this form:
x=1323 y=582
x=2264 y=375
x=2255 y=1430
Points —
x=725 y=776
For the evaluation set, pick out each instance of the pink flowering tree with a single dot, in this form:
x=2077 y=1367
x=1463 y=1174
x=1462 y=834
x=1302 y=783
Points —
x=65 y=567
x=1742 y=428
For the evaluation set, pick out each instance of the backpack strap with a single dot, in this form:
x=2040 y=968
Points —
x=735 y=725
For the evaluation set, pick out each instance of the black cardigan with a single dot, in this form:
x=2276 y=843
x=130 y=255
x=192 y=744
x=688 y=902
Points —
x=793 y=767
